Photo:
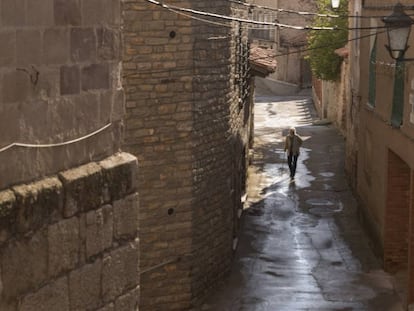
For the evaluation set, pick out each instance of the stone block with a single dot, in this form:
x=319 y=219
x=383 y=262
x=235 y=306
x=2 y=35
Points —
x=105 y=106
x=67 y=12
x=95 y=77
x=7 y=48
x=108 y=44
x=108 y=307
x=69 y=80
x=8 y=305
x=47 y=87
x=87 y=105
x=98 y=12
x=129 y=301
x=40 y=13
x=126 y=216
x=16 y=86
x=99 y=230
x=120 y=173
x=7 y=215
x=85 y=287
x=64 y=246
x=24 y=265
x=120 y=271
x=28 y=47
x=83 y=188
x=82 y=239
x=38 y=203
x=56 y=46
x=10 y=131
x=52 y=297
x=82 y=44
x=118 y=106
x=13 y=12
x=35 y=115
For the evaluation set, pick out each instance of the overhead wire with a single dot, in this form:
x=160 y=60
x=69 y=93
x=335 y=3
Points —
x=136 y=74
x=236 y=19
x=252 y=5
x=188 y=13
x=325 y=46
x=200 y=19
x=176 y=9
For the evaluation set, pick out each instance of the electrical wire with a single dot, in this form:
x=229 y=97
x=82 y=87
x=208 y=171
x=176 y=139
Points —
x=329 y=45
x=251 y=5
x=237 y=19
x=200 y=19
x=24 y=145
x=176 y=9
x=136 y=74
x=181 y=11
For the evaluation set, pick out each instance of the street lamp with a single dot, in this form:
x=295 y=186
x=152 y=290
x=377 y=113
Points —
x=398 y=26
x=335 y=4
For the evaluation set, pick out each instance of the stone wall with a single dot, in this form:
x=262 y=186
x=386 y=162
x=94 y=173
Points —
x=189 y=132
x=59 y=81
x=69 y=241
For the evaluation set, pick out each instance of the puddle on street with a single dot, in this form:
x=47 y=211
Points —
x=277 y=175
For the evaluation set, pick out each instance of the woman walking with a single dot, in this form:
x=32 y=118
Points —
x=293 y=143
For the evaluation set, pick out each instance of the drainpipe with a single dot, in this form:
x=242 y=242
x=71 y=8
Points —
x=398 y=95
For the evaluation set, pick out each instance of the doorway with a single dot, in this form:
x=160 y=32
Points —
x=397 y=245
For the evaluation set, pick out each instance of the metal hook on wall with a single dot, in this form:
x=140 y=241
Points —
x=34 y=75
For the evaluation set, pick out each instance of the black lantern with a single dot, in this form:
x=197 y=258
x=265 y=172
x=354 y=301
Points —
x=398 y=30
x=335 y=4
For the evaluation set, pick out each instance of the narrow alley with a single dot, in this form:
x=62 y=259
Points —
x=302 y=246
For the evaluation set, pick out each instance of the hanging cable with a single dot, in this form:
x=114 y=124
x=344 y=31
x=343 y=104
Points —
x=237 y=19
x=201 y=19
x=176 y=9
x=251 y=5
x=135 y=74
x=24 y=145
x=325 y=46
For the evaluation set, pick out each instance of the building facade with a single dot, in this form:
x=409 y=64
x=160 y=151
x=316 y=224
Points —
x=338 y=101
x=188 y=122
x=375 y=93
x=383 y=92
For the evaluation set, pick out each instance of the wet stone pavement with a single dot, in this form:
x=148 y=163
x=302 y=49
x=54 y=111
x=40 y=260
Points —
x=301 y=246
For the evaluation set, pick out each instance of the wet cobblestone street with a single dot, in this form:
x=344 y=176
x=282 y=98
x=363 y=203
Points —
x=302 y=246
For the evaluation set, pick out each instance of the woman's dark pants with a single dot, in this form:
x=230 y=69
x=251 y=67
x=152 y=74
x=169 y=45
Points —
x=292 y=161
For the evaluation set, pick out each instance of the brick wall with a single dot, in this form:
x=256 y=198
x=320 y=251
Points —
x=158 y=82
x=396 y=218
x=69 y=241
x=59 y=81
x=186 y=126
